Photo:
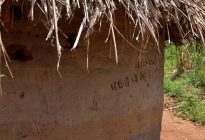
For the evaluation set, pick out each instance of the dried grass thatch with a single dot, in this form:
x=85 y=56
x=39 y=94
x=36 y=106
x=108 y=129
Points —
x=181 y=18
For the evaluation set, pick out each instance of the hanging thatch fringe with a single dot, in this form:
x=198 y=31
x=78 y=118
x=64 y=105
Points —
x=181 y=18
x=55 y=19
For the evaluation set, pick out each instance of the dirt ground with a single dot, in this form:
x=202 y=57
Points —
x=174 y=128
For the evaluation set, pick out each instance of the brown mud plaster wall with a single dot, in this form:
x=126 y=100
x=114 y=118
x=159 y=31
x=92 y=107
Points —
x=111 y=102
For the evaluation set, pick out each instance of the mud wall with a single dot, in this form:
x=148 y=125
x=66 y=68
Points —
x=110 y=102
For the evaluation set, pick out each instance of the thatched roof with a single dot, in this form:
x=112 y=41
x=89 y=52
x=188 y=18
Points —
x=181 y=18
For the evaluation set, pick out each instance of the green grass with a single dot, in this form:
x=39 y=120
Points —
x=189 y=87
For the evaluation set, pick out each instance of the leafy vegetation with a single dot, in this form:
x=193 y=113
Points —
x=185 y=80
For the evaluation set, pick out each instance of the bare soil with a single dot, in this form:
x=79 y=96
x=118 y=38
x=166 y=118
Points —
x=175 y=128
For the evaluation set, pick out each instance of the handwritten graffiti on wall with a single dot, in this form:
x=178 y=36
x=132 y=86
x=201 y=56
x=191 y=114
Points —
x=132 y=79
x=138 y=75
x=140 y=64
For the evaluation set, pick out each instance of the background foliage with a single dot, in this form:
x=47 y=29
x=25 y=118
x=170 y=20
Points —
x=185 y=80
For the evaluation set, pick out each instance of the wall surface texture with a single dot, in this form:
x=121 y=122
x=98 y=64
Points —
x=110 y=102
